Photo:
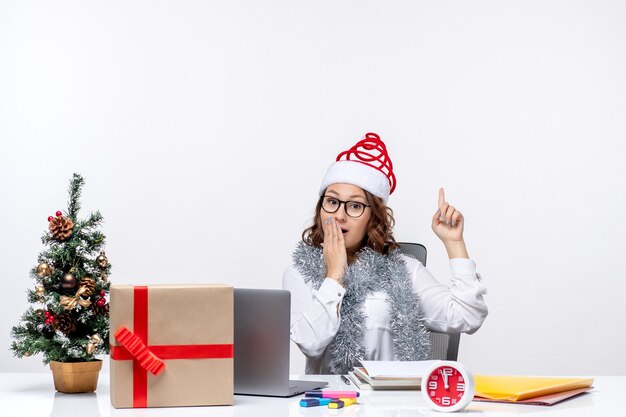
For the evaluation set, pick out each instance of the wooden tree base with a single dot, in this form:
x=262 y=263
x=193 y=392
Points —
x=73 y=377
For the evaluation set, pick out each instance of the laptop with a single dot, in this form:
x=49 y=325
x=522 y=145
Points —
x=262 y=328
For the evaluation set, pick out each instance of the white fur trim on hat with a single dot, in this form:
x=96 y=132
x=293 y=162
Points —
x=359 y=174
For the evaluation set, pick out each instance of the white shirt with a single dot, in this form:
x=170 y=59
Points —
x=315 y=314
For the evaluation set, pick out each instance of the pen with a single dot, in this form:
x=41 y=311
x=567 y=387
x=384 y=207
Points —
x=314 y=402
x=342 y=402
x=331 y=394
x=344 y=379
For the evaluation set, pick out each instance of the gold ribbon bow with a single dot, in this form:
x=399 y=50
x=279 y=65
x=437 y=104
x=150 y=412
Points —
x=69 y=303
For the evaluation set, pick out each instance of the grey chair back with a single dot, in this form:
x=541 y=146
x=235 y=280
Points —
x=445 y=346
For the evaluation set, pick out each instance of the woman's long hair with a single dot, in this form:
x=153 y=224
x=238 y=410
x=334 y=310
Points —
x=379 y=234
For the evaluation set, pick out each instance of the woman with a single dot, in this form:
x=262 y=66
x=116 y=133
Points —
x=353 y=295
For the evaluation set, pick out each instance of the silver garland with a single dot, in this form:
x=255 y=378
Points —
x=372 y=271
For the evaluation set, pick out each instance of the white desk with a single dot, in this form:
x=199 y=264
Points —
x=34 y=395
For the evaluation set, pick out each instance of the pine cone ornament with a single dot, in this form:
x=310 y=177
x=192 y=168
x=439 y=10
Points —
x=100 y=310
x=61 y=228
x=65 y=323
x=90 y=285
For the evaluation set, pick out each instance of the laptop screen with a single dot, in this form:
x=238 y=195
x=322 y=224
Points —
x=262 y=321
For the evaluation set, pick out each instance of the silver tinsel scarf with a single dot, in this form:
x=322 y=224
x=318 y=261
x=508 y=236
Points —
x=372 y=271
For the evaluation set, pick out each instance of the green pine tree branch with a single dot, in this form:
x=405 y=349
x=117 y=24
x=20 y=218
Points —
x=75 y=190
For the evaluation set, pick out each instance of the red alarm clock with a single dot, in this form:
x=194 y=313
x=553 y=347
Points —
x=447 y=386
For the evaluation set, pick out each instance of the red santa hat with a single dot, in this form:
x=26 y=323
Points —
x=366 y=165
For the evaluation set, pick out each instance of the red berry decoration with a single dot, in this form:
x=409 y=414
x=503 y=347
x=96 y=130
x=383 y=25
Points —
x=50 y=218
x=59 y=214
x=102 y=293
x=46 y=314
x=101 y=302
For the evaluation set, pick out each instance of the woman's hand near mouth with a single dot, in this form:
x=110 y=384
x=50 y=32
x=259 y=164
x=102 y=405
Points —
x=335 y=256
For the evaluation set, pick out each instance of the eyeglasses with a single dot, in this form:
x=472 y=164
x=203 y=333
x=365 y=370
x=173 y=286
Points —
x=353 y=208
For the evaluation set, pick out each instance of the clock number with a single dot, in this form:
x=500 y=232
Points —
x=446 y=401
x=460 y=387
x=432 y=384
x=446 y=373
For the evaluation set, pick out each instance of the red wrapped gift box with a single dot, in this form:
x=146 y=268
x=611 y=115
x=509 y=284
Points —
x=171 y=345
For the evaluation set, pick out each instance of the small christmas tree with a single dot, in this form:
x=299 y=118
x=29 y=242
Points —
x=71 y=323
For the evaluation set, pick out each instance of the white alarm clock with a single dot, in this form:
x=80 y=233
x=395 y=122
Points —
x=448 y=386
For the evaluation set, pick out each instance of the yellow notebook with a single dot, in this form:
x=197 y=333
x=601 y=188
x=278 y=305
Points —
x=516 y=388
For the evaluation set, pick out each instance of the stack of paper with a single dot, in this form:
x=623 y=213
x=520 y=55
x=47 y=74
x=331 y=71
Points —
x=359 y=380
x=404 y=375
x=529 y=390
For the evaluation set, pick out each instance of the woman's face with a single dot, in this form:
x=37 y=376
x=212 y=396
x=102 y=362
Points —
x=353 y=229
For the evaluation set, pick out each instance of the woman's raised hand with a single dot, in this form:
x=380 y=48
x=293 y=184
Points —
x=335 y=255
x=448 y=221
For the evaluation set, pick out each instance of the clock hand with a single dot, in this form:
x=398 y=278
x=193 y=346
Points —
x=445 y=379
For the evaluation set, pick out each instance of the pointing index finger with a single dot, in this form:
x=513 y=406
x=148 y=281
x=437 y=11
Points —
x=442 y=197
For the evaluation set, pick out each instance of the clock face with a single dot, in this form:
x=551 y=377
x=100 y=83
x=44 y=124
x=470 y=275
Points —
x=448 y=387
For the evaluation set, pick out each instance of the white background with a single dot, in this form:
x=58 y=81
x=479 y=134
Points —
x=203 y=129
